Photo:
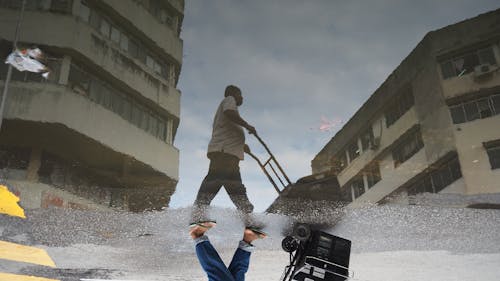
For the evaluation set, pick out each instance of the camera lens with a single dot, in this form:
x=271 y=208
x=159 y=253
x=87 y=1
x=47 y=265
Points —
x=289 y=244
x=302 y=232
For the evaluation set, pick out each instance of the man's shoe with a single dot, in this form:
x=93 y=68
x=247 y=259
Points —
x=198 y=229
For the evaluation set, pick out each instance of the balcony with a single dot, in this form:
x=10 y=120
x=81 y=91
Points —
x=75 y=127
x=471 y=82
x=82 y=42
x=164 y=37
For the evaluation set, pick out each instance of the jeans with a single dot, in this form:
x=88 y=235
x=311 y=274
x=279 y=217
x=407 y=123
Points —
x=215 y=268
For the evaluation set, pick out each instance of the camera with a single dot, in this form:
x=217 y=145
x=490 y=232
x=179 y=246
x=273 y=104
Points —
x=316 y=255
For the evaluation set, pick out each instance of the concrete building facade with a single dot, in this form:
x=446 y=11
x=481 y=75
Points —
x=100 y=130
x=432 y=126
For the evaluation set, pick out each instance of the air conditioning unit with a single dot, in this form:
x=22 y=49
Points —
x=483 y=69
x=375 y=143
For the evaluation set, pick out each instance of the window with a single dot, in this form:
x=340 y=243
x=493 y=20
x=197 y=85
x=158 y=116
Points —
x=136 y=116
x=408 y=147
x=95 y=92
x=124 y=42
x=466 y=63
x=455 y=170
x=62 y=6
x=471 y=111
x=164 y=71
x=367 y=139
x=457 y=114
x=105 y=96
x=445 y=175
x=150 y=62
x=84 y=11
x=167 y=18
x=118 y=102
x=438 y=179
x=339 y=162
x=358 y=186
x=145 y=121
x=104 y=28
x=493 y=151
x=141 y=54
x=153 y=125
x=400 y=106
x=95 y=20
x=495 y=103
x=133 y=49
x=33 y=5
x=115 y=35
x=161 y=13
x=157 y=67
x=162 y=130
x=12 y=4
x=353 y=150
x=372 y=173
x=480 y=108
x=447 y=69
x=44 y=5
x=79 y=80
x=346 y=194
x=485 y=109
x=127 y=110
x=421 y=186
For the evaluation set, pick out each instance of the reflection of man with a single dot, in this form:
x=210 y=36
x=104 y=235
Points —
x=225 y=151
x=210 y=260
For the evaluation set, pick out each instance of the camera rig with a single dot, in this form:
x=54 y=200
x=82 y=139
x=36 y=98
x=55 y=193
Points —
x=316 y=255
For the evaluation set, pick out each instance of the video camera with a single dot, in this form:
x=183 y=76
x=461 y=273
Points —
x=316 y=255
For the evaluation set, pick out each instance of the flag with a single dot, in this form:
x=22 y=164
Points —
x=28 y=60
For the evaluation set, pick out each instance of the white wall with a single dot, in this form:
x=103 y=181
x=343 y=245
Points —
x=476 y=168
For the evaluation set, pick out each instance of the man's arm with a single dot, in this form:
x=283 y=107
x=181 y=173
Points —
x=235 y=117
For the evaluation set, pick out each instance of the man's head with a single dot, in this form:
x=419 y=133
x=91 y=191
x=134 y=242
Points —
x=235 y=92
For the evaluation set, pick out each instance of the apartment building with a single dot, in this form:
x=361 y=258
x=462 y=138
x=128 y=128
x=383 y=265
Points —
x=432 y=126
x=99 y=132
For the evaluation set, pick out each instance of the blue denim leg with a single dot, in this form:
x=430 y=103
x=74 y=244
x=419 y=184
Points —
x=211 y=262
x=240 y=262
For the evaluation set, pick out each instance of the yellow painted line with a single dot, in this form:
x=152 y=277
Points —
x=8 y=203
x=15 y=277
x=16 y=252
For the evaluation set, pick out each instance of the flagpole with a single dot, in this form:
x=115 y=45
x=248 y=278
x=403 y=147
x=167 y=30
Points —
x=9 y=69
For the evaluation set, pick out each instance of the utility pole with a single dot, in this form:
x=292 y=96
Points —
x=9 y=69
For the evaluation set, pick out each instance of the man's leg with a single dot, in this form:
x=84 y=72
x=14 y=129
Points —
x=237 y=192
x=209 y=259
x=241 y=259
x=235 y=188
x=209 y=187
x=207 y=192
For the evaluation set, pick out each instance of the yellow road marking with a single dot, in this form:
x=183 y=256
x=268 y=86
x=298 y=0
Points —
x=16 y=252
x=15 y=277
x=8 y=203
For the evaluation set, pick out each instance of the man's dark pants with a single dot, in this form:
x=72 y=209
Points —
x=224 y=171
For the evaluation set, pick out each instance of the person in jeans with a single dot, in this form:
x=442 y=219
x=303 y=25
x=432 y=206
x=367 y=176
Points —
x=210 y=260
x=225 y=151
